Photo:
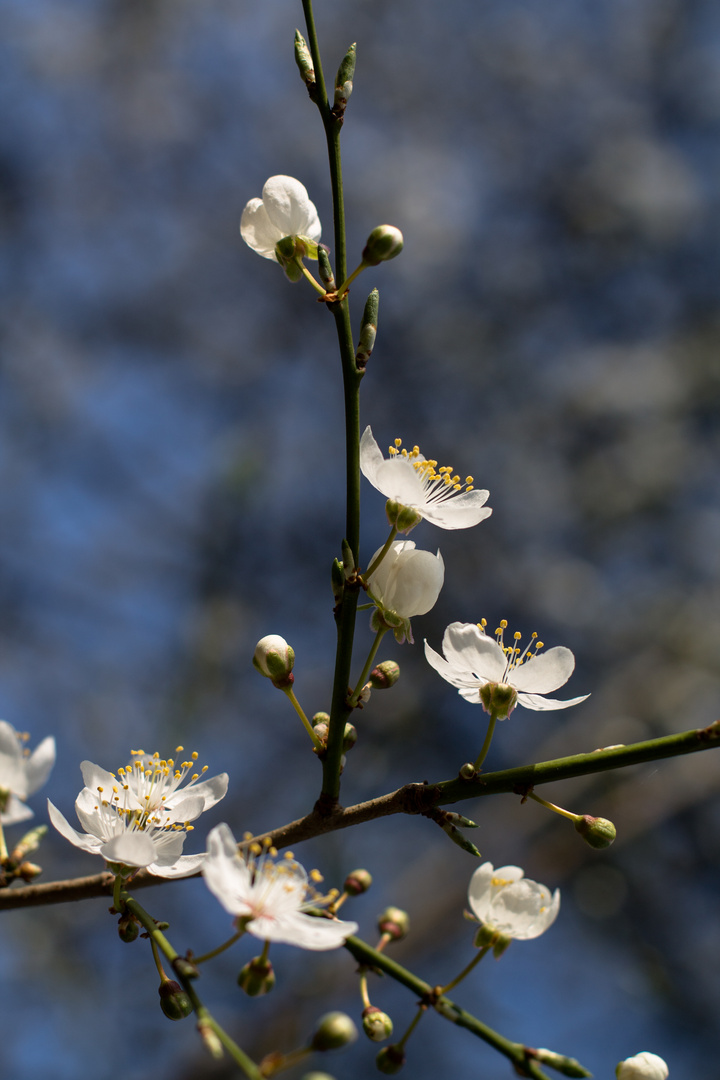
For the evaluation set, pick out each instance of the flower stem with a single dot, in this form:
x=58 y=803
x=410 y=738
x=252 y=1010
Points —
x=551 y=806
x=290 y=693
x=466 y=970
x=354 y=697
x=413 y=1024
x=364 y=988
x=313 y=281
x=342 y=291
x=382 y=553
x=220 y=949
x=488 y=739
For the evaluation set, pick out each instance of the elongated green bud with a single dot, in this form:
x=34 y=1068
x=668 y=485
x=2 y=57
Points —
x=304 y=61
x=174 y=1002
x=348 y=559
x=344 y=82
x=457 y=838
x=325 y=269
x=337 y=578
x=460 y=821
x=30 y=842
x=566 y=1065
x=368 y=329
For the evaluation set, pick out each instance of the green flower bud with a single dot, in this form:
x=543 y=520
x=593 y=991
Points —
x=185 y=968
x=368 y=329
x=128 y=929
x=395 y=922
x=348 y=559
x=385 y=675
x=390 y=1060
x=499 y=698
x=377 y=1025
x=565 y=1065
x=286 y=256
x=467 y=771
x=174 y=1002
x=337 y=579
x=257 y=977
x=334 y=1030
x=357 y=882
x=383 y=243
x=274 y=659
x=598 y=832
x=349 y=737
x=404 y=518
x=321 y=718
x=344 y=82
x=321 y=730
x=304 y=61
x=325 y=269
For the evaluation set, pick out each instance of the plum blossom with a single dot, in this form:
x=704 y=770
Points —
x=643 y=1066
x=269 y=896
x=21 y=772
x=477 y=664
x=505 y=901
x=406 y=582
x=285 y=210
x=140 y=816
x=416 y=488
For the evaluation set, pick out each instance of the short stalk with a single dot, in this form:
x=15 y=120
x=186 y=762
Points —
x=288 y=690
x=553 y=807
x=355 y=696
x=348 y=281
x=381 y=554
x=465 y=971
x=158 y=962
x=238 y=1055
x=220 y=949
x=488 y=739
x=118 y=902
x=313 y=281
x=364 y=989
x=413 y=1024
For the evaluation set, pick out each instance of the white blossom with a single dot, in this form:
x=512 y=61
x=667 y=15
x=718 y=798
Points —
x=284 y=210
x=269 y=896
x=473 y=659
x=410 y=480
x=643 y=1066
x=506 y=901
x=140 y=816
x=407 y=582
x=21 y=772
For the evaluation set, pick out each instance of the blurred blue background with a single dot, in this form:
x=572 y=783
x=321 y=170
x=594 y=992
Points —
x=171 y=489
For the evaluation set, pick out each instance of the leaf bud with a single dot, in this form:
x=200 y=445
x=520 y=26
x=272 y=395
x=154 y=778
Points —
x=349 y=737
x=128 y=930
x=321 y=730
x=457 y=837
x=357 y=882
x=337 y=580
x=183 y=967
x=467 y=771
x=174 y=1002
x=461 y=821
x=334 y=1030
x=344 y=82
x=28 y=871
x=383 y=243
x=368 y=329
x=384 y=675
x=325 y=269
x=598 y=832
x=210 y=1039
x=566 y=1065
x=274 y=658
x=394 y=922
x=498 y=698
x=348 y=559
x=643 y=1066
x=304 y=61
x=390 y=1060
x=377 y=1025
x=257 y=977
x=30 y=842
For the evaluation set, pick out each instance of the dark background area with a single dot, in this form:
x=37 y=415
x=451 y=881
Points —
x=171 y=489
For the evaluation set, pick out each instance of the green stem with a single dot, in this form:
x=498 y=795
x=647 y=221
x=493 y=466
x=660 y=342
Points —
x=381 y=554
x=158 y=962
x=368 y=665
x=515 y=1052
x=488 y=739
x=315 y=284
x=220 y=949
x=117 y=893
x=466 y=970
x=238 y=1055
x=3 y=847
x=290 y=693
x=553 y=807
x=342 y=291
x=413 y=1024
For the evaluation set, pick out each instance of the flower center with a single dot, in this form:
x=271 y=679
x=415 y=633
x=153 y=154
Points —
x=515 y=655
x=439 y=482
x=152 y=778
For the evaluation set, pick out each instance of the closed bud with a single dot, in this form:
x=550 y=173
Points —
x=498 y=698
x=348 y=559
x=317 y=1076
x=334 y=1030
x=321 y=730
x=385 y=675
x=643 y=1066
x=321 y=718
x=467 y=771
x=368 y=329
x=598 y=832
x=128 y=931
x=357 y=882
x=461 y=821
x=349 y=737
x=377 y=1025
x=390 y=1060
x=210 y=1040
x=337 y=580
x=457 y=837
x=565 y=1065
x=184 y=968
x=28 y=871
x=344 y=82
x=325 y=269
x=303 y=59
x=257 y=977
x=174 y=1002
x=383 y=243
x=286 y=255
x=274 y=658
x=395 y=922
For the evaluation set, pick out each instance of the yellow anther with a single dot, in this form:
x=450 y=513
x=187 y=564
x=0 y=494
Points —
x=288 y=855
x=272 y=851
x=538 y=645
x=179 y=749
x=255 y=848
x=503 y=624
x=315 y=876
x=247 y=836
x=517 y=635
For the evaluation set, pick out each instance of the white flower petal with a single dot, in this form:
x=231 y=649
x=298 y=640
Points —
x=15 y=811
x=182 y=867
x=460 y=510
x=545 y=704
x=468 y=649
x=305 y=931
x=289 y=207
x=408 y=581
x=87 y=843
x=643 y=1066
x=506 y=901
x=545 y=672
x=257 y=230
x=40 y=764
x=130 y=849
x=211 y=791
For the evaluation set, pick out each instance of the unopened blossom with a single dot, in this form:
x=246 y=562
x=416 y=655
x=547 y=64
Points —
x=268 y=895
x=284 y=210
x=643 y=1066
x=505 y=901
x=140 y=816
x=411 y=482
x=407 y=582
x=21 y=772
x=473 y=661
